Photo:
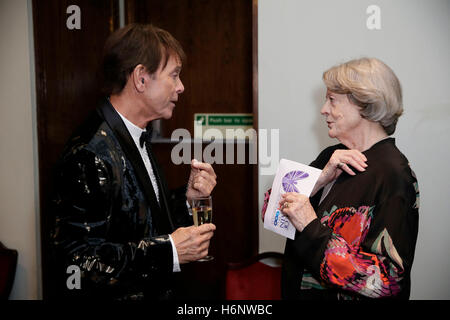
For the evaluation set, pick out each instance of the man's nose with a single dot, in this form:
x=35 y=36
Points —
x=180 y=87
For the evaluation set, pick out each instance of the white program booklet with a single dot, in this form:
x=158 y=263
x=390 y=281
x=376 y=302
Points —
x=291 y=176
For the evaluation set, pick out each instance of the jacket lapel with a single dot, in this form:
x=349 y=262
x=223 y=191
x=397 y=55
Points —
x=160 y=216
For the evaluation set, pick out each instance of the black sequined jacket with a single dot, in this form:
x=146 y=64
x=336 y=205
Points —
x=107 y=221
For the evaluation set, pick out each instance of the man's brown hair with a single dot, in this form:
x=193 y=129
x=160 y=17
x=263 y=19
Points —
x=132 y=45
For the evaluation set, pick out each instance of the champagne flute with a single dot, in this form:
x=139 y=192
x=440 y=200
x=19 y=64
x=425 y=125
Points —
x=202 y=213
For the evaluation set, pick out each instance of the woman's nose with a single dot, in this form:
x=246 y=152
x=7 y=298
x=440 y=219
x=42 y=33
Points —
x=325 y=109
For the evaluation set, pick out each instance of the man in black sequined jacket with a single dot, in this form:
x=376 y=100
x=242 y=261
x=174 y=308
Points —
x=114 y=219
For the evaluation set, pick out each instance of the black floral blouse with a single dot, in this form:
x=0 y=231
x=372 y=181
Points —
x=362 y=243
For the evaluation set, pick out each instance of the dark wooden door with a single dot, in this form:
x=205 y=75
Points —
x=217 y=37
x=218 y=78
x=66 y=62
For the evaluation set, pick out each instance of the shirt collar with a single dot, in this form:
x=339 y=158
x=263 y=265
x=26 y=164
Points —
x=133 y=129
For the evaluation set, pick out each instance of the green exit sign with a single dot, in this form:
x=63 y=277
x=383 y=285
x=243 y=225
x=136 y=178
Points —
x=221 y=121
x=213 y=119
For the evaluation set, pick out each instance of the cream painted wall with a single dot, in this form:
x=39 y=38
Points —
x=19 y=218
x=298 y=40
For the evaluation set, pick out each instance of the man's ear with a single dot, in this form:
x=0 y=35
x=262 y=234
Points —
x=139 y=76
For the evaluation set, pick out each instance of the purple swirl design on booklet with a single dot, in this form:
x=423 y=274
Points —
x=290 y=180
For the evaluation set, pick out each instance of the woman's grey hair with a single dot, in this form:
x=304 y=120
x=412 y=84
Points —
x=372 y=85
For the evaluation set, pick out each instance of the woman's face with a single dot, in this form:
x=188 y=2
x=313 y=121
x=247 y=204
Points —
x=342 y=116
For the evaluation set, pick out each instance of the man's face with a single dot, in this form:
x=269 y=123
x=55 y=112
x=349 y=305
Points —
x=164 y=87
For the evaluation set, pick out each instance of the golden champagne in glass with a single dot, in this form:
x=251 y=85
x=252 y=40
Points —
x=202 y=213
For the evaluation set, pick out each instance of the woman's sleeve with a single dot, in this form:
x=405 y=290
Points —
x=369 y=251
x=266 y=201
x=83 y=233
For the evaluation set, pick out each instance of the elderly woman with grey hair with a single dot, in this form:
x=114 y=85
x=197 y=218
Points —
x=356 y=234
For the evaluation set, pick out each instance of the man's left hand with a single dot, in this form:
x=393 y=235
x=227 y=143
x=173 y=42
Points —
x=202 y=180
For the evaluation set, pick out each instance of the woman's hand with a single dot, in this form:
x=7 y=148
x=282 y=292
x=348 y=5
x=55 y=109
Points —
x=339 y=162
x=298 y=208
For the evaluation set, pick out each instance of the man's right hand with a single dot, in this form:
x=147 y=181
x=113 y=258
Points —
x=192 y=243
